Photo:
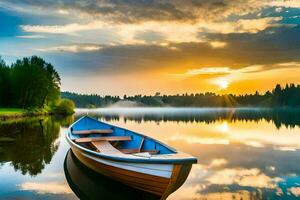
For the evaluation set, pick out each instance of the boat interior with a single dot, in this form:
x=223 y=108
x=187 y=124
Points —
x=101 y=137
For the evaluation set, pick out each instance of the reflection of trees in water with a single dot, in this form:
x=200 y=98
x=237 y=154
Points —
x=29 y=144
x=280 y=117
x=65 y=121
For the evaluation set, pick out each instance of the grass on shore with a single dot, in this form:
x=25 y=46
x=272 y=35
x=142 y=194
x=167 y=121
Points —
x=65 y=107
x=12 y=111
x=9 y=113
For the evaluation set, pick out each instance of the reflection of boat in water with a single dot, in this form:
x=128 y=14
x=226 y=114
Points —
x=131 y=158
x=87 y=184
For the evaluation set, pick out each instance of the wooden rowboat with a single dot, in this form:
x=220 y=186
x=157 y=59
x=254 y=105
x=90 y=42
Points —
x=128 y=157
x=87 y=184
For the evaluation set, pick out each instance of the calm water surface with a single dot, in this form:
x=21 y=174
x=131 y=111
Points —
x=242 y=154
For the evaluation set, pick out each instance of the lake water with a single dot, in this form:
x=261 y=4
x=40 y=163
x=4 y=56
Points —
x=242 y=154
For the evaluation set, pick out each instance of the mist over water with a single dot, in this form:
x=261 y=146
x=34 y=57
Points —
x=125 y=104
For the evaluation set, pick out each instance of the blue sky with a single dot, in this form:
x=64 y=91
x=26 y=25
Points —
x=134 y=46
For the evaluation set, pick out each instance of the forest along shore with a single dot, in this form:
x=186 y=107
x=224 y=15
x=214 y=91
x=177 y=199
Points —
x=31 y=87
x=279 y=97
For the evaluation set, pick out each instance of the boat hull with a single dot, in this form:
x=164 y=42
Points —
x=159 y=179
x=88 y=184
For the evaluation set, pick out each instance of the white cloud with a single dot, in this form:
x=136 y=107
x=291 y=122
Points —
x=220 y=70
x=190 y=32
x=243 y=177
x=63 y=12
x=286 y=148
x=217 y=44
x=295 y=191
x=208 y=70
x=194 y=191
x=289 y=64
x=30 y=36
x=62 y=29
x=285 y=3
x=241 y=25
x=251 y=68
x=46 y=188
x=72 y=48
x=256 y=25
x=126 y=33
x=218 y=162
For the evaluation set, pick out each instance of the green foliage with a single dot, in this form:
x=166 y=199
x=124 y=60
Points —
x=86 y=101
x=35 y=83
x=4 y=83
x=11 y=111
x=29 y=83
x=65 y=107
x=91 y=106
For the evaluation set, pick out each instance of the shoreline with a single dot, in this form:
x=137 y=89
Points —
x=22 y=115
x=8 y=113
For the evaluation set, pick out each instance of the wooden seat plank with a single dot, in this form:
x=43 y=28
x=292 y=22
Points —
x=82 y=132
x=130 y=151
x=105 y=147
x=154 y=151
x=108 y=138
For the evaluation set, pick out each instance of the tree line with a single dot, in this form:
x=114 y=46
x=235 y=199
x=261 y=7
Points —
x=288 y=96
x=91 y=100
x=29 y=83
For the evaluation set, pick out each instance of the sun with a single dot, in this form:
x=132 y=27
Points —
x=224 y=127
x=223 y=84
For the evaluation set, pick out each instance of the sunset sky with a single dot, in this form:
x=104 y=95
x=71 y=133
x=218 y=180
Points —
x=130 y=47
